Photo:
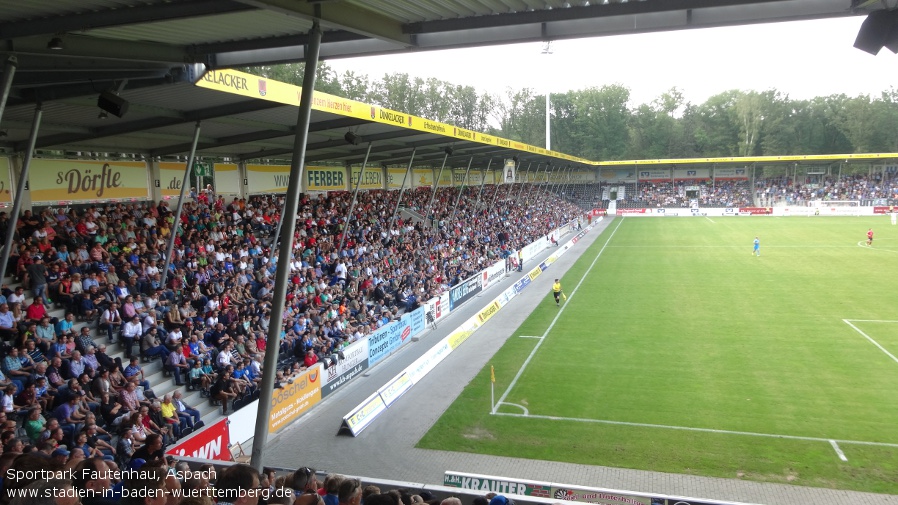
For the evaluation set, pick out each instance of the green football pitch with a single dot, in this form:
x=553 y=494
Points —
x=680 y=351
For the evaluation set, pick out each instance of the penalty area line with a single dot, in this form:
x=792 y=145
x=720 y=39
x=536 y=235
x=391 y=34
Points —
x=881 y=348
x=702 y=430
x=838 y=450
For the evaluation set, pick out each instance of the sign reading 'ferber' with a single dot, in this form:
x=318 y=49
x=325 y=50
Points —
x=71 y=180
x=323 y=178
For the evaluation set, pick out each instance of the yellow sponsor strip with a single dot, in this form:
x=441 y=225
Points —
x=251 y=86
x=488 y=312
x=751 y=159
x=534 y=273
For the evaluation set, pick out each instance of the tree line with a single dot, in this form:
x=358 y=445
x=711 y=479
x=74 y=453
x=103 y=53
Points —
x=598 y=123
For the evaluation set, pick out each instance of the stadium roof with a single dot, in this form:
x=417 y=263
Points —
x=151 y=51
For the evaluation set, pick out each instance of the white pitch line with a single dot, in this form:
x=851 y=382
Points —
x=863 y=245
x=703 y=430
x=838 y=450
x=552 y=324
x=529 y=336
x=872 y=320
x=735 y=246
x=709 y=219
x=881 y=348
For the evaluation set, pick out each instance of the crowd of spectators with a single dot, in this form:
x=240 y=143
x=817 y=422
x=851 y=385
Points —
x=661 y=194
x=767 y=192
x=76 y=383
x=785 y=190
x=685 y=194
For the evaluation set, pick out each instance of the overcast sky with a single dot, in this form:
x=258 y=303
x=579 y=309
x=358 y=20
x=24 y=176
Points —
x=803 y=59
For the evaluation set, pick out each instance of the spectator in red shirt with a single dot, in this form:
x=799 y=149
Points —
x=37 y=311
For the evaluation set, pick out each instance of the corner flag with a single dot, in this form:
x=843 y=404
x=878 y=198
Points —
x=564 y=296
x=492 y=374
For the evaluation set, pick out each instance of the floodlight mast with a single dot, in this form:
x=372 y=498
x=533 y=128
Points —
x=547 y=49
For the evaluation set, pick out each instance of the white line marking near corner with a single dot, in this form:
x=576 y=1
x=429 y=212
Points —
x=701 y=430
x=838 y=450
x=709 y=219
x=529 y=336
x=881 y=348
x=552 y=324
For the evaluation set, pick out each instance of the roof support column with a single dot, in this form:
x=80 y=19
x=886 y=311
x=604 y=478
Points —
x=20 y=189
x=436 y=186
x=402 y=187
x=496 y=194
x=559 y=183
x=170 y=247
x=545 y=174
x=282 y=274
x=524 y=183
x=355 y=195
x=535 y=180
x=9 y=70
x=483 y=182
x=548 y=183
x=273 y=250
x=461 y=190
x=567 y=181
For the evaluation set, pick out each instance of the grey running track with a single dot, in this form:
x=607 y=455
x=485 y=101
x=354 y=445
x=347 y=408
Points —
x=386 y=449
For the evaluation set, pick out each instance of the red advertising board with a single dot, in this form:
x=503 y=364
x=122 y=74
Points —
x=755 y=211
x=212 y=442
x=622 y=212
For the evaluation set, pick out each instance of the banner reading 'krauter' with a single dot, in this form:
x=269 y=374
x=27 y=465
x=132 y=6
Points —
x=87 y=180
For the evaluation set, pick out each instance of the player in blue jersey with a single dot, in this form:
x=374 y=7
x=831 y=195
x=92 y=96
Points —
x=756 y=251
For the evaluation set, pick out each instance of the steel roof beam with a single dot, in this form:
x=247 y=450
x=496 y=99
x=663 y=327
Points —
x=67 y=91
x=594 y=10
x=273 y=42
x=327 y=144
x=119 y=17
x=157 y=122
x=224 y=141
x=85 y=47
x=65 y=78
x=341 y=15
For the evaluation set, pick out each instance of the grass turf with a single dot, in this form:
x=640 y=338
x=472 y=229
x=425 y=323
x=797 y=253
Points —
x=678 y=325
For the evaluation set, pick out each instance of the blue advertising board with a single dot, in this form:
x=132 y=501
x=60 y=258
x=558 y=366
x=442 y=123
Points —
x=387 y=339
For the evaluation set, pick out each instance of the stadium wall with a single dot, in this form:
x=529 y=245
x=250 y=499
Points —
x=822 y=210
